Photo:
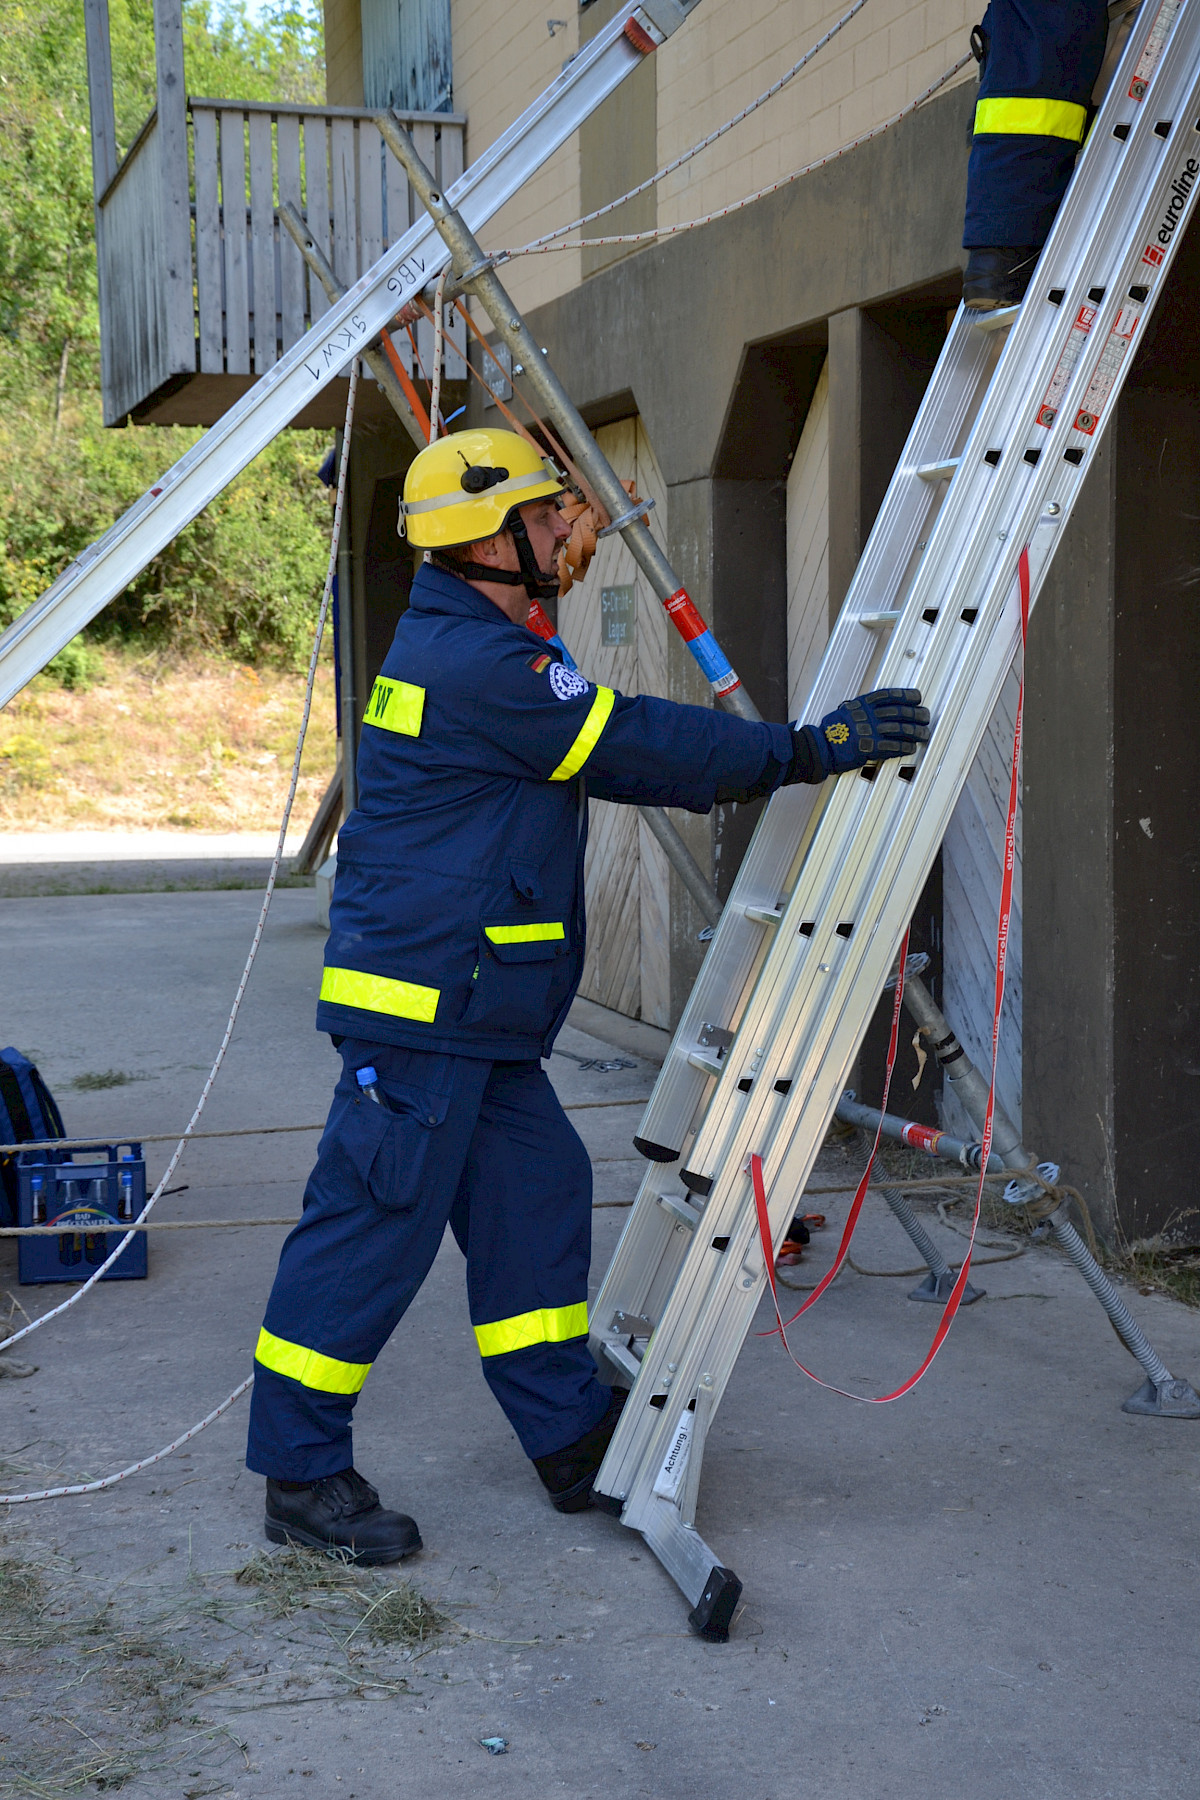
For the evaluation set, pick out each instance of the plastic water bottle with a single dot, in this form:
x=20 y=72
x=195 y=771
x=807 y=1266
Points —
x=125 y=1205
x=367 y=1079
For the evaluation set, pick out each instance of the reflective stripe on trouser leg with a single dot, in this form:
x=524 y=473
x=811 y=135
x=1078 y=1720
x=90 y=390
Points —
x=523 y=1215
x=1043 y=57
x=375 y=1211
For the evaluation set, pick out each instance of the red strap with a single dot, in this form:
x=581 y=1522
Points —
x=756 y=1170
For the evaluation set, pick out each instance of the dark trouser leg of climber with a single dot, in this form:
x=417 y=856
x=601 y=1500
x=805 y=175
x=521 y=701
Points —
x=490 y=1141
x=523 y=1217
x=1041 y=60
x=375 y=1210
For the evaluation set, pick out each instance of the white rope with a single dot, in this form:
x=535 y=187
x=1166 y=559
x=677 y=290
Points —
x=539 y=246
x=180 y=1147
x=670 y=168
x=107 y=1481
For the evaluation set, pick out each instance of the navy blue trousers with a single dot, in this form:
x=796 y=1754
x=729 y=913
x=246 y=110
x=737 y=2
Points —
x=485 y=1147
x=1038 y=51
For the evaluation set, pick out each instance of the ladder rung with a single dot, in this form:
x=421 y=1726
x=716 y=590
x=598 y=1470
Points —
x=878 y=621
x=999 y=320
x=939 y=471
x=764 y=915
x=680 y=1209
x=622 y=1357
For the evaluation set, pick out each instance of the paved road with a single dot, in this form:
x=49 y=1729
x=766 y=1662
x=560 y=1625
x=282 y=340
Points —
x=989 y=1588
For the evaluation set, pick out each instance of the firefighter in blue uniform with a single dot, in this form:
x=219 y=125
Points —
x=455 y=948
x=1039 y=61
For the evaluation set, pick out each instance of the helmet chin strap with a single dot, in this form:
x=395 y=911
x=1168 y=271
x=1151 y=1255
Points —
x=537 y=583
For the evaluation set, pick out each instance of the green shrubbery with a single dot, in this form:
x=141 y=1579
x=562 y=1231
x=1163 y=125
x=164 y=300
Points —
x=244 y=577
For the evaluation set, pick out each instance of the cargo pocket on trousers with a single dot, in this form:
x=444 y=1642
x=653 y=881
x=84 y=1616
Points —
x=390 y=1145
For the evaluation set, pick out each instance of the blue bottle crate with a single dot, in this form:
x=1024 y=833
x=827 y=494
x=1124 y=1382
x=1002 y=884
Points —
x=92 y=1193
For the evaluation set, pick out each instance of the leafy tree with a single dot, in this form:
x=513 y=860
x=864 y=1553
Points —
x=242 y=576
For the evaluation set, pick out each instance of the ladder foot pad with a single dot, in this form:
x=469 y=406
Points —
x=711 y=1616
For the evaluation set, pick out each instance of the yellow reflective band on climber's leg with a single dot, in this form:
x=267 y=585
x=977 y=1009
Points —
x=379 y=993
x=327 y=1374
x=1031 y=118
x=525 y=934
x=395 y=706
x=549 y=1325
x=585 y=743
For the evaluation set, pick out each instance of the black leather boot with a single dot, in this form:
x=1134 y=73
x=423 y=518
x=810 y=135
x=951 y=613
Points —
x=998 y=276
x=339 y=1512
x=568 y=1474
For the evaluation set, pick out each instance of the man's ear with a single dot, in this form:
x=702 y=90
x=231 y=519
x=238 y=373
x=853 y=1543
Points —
x=486 y=550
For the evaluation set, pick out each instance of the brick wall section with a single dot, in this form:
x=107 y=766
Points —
x=343 y=53
x=503 y=58
x=723 y=57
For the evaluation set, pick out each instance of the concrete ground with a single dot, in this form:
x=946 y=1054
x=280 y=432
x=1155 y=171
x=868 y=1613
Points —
x=988 y=1588
x=128 y=862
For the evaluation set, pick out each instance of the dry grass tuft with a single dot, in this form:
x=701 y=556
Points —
x=388 y=1612
x=201 y=745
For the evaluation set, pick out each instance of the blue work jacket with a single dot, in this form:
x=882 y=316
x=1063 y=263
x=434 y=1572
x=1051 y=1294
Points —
x=457 y=920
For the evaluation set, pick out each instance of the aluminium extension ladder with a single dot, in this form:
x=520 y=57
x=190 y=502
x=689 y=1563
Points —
x=350 y=326
x=1005 y=436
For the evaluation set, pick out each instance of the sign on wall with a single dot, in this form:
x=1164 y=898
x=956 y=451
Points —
x=618 y=615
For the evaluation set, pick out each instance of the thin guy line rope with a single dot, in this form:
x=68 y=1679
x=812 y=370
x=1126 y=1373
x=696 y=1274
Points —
x=234 y=1010
x=172 y=1137
x=539 y=246
x=686 y=157
x=107 y=1481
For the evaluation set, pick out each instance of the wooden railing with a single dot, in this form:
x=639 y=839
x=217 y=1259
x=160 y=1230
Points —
x=252 y=295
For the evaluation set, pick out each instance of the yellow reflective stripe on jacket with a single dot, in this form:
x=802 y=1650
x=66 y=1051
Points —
x=395 y=706
x=524 y=934
x=585 y=743
x=379 y=993
x=1031 y=118
x=549 y=1325
x=328 y=1374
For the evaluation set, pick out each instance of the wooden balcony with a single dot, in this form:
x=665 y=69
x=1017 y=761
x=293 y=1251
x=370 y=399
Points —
x=201 y=290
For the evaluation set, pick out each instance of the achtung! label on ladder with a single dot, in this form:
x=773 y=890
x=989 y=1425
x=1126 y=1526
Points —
x=675 y=1461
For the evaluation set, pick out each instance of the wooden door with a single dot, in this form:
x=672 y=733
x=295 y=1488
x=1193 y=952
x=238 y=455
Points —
x=617 y=632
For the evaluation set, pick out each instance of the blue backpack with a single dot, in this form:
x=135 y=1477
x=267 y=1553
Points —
x=28 y=1112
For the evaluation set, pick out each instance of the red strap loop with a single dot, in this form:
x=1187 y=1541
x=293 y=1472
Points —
x=756 y=1169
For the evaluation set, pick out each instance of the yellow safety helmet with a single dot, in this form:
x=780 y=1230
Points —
x=462 y=487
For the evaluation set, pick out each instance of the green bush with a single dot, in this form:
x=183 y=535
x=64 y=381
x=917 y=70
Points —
x=244 y=578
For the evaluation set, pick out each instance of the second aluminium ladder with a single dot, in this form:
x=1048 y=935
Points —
x=1004 y=439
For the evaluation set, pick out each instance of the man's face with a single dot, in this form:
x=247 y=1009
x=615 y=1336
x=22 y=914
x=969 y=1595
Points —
x=547 y=530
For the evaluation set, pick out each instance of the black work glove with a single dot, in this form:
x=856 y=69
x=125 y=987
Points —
x=867 y=729
x=888 y=722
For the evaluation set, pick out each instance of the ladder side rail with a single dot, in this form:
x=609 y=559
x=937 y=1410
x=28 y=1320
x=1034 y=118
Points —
x=107 y=566
x=768 y=870
x=707 y=1317
x=1066 y=481
x=1088 y=200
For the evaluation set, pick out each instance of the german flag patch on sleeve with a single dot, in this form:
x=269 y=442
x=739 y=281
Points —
x=539 y=663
